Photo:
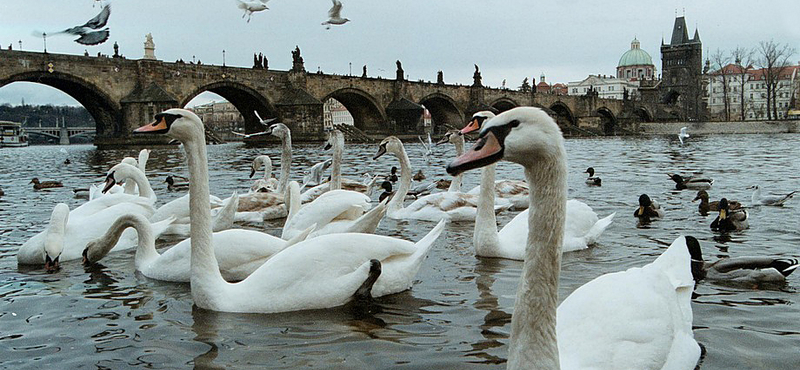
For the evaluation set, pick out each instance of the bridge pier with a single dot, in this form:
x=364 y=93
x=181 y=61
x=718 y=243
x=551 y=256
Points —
x=63 y=136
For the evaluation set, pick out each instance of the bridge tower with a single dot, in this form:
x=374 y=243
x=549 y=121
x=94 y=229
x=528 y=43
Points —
x=682 y=72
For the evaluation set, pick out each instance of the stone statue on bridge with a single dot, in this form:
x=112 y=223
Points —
x=364 y=71
x=400 y=73
x=116 y=50
x=297 y=60
x=149 y=47
x=476 y=77
x=440 y=78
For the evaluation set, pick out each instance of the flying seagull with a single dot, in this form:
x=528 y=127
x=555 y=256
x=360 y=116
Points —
x=334 y=15
x=251 y=7
x=265 y=122
x=90 y=32
x=682 y=135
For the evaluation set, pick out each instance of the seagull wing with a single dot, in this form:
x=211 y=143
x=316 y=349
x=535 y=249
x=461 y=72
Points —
x=336 y=9
x=94 y=38
x=100 y=20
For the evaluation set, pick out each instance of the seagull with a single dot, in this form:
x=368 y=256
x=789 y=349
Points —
x=334 y=15
x=314 y=175
x=251 y=7
x=427 y=146
x=768 y=200
x=265 y=122
x=90 y=32
x=682 y=134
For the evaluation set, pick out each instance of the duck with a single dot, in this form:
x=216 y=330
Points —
x=582 y=229
x=176 y=185
x=593 y=180
x=451 y=205
x=739 y=269
x=648 y=209
x=413 y=193
x=392 y=174
x=2 y=192
x=239 y=252
x=514 y=191
x=38 y=185
x=706 y=206
x=337 y=210
x=729 y=219
x=693 y=183
x=66 y=236
x=682 y=135
x=646 y=325
x=348 y=265
x=768 y=200
x=387 y=190
x=266 y=184
x=443 y=183
x=419 y=176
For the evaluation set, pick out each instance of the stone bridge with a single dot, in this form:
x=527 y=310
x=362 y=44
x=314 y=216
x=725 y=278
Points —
x=122 y=94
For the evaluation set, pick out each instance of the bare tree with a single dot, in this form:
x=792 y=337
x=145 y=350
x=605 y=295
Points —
x=743 y=57
x=721 y=61
x=773 y=59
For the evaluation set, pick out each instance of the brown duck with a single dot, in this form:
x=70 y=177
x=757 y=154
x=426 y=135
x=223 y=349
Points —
x=45 y=184
x=705 y=206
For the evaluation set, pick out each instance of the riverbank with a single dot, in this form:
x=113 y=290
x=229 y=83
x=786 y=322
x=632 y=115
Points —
x=708 y=128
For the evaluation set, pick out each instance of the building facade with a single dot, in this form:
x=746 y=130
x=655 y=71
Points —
x=636 y=64
x=682 y=72
x=755 y=92
x=607 y=87
x=221 y=117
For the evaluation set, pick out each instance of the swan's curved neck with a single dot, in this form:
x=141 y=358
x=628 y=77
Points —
x=455 y=185
x=267 y=168
x=146 y=249
x=286 y=161
x=138 y=177
x=396 y=203
x=292 y=200
x=484 y=237
x=336 y=166
x=533 y=325
x=205 y=276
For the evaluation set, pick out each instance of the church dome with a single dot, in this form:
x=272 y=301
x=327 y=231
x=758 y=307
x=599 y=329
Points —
x=635 y=56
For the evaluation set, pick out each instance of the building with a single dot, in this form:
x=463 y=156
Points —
x=607 y=87
x=636 y=64
x=755 y=92
x=221 y=117
x=682 y=72
x=334 y=113
x=544 y=88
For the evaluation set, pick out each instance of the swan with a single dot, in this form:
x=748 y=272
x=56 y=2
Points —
x=582 y=227
x=65 y=236
x=336 y=143
x=768 y=200
x=690 y=182
x=37 y=185
x=318 y=273
x=268 y=183
x=648 y=209
x=222 y=219
x=706 y=206
x=141 y=164
x=682 y=135
x=314 y=175
x=592 y=179
x=456 y=138
x=455 y=206
x=337 y=210
x=514 y=191
x=120 y=172
x=645 y=325
x=739 y=269
x=729 y=219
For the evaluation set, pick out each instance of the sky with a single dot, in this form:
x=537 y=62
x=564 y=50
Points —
x=566 y=40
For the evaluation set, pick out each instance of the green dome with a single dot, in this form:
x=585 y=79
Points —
x=635 y=56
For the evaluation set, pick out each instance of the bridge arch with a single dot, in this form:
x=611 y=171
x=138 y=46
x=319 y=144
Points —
x=106 y=112
x=608 y=120
x=444 y=112
x=367 y=114
x=564 y=116
x=503 y=104
x=643 y=114
x=245 y=99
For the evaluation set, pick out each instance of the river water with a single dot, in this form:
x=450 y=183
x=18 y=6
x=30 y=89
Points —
x=457 y=315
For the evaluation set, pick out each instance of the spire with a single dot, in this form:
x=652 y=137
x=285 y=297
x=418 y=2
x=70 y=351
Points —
x=679 y=33
x=696 y=37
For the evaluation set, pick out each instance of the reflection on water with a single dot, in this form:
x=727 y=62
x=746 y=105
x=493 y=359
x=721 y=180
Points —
x=458 y=313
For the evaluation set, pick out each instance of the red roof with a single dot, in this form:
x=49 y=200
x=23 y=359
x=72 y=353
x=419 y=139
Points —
x=755 y=74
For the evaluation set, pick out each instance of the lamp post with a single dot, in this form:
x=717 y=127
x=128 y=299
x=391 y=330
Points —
x=351 y=68
x=44 y=38
x=20 y=44
x=223 y=57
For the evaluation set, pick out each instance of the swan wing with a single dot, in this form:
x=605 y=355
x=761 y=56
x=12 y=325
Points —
x=336 y=204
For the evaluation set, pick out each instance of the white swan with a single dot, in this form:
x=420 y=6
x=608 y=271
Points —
x=322 y=272
x=336 y=142
x=222 y=218
x=141 y=164
x=637 y=319
x=65 y=236
x=268 y=183
x=768 y=200
x=582 y=227
x=313 y=176
x=455 y=206
x=337 y=210
x=118 y=173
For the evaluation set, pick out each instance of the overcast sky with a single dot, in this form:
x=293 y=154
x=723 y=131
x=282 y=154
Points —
x=509 y=39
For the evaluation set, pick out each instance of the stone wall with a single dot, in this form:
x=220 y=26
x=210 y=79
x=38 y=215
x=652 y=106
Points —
x=706 y=128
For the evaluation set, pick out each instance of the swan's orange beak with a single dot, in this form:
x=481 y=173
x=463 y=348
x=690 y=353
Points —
x=471 y=126
x=154 y=127
x=487 y=150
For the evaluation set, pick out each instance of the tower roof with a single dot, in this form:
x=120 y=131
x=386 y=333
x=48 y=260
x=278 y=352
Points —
x=679 y=33
x=635 y=56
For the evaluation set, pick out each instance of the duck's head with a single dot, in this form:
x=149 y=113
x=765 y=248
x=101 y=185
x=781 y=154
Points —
x=701 y=195
x=751 y=187
x=644 y=202
x=390 y=144
x=54 y=237
x=524 y=135
x=118 y=173
x=724 y=208
x=34 y=180
x=476 y=122
x=170 y=181
x=258 y=162
x=387 y=186
x=590 y=171
x=180 y=124
x=675 y=177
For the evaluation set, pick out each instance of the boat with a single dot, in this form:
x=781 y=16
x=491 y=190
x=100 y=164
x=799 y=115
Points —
x=12 y=135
